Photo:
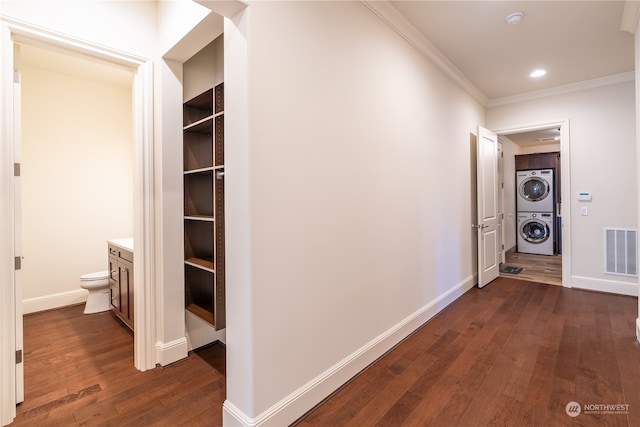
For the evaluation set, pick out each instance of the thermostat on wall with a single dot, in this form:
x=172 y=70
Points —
x=584 y=196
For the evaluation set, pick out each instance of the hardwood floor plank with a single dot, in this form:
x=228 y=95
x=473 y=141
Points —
x=384 y=399
x=545 y=269
x=514 y=353
x=79 y=371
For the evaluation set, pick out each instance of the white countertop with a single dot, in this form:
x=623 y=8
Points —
x=125 y=243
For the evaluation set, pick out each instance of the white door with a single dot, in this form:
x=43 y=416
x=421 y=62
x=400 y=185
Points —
x=501 y=232
x=488 y=214
x=17 y=125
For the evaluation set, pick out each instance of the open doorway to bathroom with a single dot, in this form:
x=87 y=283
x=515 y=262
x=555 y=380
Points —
x=532 y=205
x=77 y=170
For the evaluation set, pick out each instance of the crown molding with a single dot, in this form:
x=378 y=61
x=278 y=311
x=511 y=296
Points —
x=560 y=90
x=630 y=16
x=390 y=15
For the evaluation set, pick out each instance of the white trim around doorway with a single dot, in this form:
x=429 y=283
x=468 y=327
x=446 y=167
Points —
x=15 y=31
x=565 y=164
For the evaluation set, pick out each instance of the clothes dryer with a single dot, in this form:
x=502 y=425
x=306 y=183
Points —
x=535 y=191
x=536 y=233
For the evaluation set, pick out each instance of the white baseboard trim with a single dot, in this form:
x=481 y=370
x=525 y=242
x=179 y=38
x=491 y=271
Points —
x=604 y=285
x=200 y=333
x=306 y=397
x=48 y=302
x=167 y=353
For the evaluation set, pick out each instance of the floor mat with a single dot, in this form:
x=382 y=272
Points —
x=510 y=270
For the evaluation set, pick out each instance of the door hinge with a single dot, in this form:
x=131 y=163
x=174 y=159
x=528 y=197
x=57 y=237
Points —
x=18 y=263
x=16 y=75
x=18 y=356
x=16 y=169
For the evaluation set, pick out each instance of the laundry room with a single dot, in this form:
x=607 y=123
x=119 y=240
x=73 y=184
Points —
x=532 y=200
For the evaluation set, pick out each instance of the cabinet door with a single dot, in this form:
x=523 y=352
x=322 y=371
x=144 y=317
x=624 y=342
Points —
x=129 y=269
x=126 y=292
x=114 y=286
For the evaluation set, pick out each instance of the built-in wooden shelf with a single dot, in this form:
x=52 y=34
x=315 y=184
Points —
x=202 y=313
x=205 y=264
x=203 y=148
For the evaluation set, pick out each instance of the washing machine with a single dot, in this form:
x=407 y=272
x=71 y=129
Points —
x=536 y=233
x=535 y=191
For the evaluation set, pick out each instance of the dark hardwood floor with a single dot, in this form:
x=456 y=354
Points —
x=79 y=372
x=514 y=353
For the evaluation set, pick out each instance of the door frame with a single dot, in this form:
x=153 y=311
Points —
x=502 y=253
x=15 y=32
x=565 y=163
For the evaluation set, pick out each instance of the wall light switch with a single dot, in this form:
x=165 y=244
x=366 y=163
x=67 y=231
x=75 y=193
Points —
x=584 y=211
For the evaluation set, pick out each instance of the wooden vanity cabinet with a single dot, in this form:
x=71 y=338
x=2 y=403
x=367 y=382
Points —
x=121 y=283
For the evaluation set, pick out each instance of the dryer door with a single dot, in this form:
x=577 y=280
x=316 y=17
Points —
x=535 y=231
x=534 y=189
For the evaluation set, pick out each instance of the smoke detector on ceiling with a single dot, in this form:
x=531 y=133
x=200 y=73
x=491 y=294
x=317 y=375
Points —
x=514 y=18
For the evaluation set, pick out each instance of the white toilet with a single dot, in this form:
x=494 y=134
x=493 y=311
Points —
x=98 y=286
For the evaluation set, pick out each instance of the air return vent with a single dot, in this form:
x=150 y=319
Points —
x=621 y=251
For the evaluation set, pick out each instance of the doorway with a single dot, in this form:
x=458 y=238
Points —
x=76 y=145
x=77 y=170
x=526 y=264
x=13 y=34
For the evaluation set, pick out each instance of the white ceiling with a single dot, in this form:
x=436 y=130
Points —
x=574 y=41
x=537 y=138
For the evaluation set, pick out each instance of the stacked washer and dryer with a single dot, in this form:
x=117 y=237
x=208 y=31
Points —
x=535 y=206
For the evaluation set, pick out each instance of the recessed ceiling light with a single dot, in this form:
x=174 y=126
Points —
x=538 y=73
x=514 y=18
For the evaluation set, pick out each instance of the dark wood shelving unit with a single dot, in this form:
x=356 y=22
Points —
x=203 y=144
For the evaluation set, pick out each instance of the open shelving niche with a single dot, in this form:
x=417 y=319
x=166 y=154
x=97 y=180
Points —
x=203 y=144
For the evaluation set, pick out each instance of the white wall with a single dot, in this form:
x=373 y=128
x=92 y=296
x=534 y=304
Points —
x=602 y=146
x=77 y=174
x=128 y=26
x=204 y=70
x=543 y=148
x=360 y=195
x=637 y=118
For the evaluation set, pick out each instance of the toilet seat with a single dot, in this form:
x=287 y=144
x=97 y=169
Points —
x=98 y=275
